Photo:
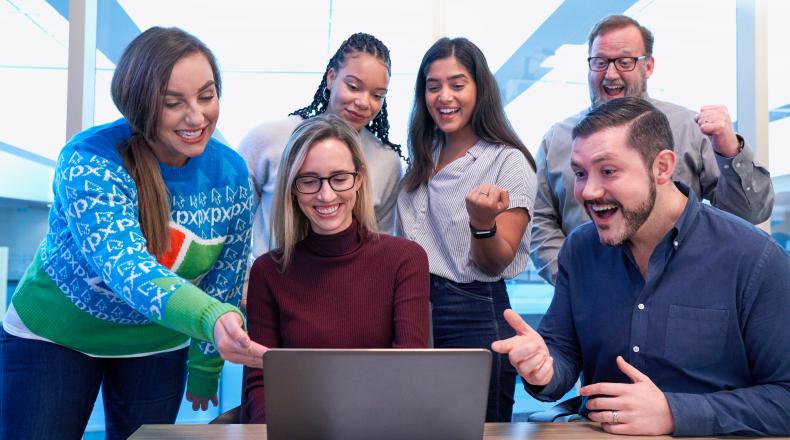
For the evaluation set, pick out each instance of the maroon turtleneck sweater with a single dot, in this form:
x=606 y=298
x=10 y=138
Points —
x=347 y=290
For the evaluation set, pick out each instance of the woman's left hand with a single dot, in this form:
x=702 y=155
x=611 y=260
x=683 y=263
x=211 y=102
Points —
x=201 y=402
x=484 y=203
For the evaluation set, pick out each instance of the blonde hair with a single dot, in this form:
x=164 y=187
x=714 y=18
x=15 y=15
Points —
x=289 y=224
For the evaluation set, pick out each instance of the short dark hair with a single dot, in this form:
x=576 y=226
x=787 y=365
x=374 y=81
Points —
x=648 y=128
x=613 y=22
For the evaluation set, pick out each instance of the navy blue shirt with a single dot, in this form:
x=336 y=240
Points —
x=708 y=326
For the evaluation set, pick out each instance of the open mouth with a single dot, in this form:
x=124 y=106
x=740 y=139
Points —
x=447 y=113
x=614 y=90
x=602 y=211
x=191 y=135
x=326 y=210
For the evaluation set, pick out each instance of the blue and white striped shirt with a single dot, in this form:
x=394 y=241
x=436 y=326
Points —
x=435 y=216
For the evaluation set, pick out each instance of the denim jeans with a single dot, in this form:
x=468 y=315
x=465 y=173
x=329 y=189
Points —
x=470 y=315
x=48 y=391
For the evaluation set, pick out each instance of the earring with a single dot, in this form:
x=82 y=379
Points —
x=325 y=94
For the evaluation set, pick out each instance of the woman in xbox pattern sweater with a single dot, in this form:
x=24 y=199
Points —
x=146 y=247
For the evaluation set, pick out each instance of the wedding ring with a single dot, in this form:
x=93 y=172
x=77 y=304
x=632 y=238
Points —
x=615 y=418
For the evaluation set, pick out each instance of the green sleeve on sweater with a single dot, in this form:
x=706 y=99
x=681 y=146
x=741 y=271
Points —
x=189 y=310
x=204 y=370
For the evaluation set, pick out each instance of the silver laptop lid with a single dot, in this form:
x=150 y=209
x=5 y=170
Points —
x=376 y=393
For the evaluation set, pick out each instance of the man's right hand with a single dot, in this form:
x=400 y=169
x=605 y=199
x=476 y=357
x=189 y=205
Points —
x=526 y=351
x=234 y=344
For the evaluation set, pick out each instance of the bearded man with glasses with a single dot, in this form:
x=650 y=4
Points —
x=712 y=159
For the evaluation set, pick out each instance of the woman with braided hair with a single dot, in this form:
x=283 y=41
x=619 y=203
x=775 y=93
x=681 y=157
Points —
x=354 y=87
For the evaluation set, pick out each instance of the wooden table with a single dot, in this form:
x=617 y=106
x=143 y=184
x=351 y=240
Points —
x=493 y=431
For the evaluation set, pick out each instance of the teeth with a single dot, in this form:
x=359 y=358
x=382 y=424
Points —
x=447 y=111
x=600 y=208
x=327 y=211
x=189 y=134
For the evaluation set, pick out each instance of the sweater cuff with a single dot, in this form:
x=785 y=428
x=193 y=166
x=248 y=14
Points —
x=692 y=414
x=204 y=370
x=191 y=311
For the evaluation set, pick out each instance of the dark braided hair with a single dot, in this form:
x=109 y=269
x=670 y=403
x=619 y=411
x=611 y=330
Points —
x=365 y=43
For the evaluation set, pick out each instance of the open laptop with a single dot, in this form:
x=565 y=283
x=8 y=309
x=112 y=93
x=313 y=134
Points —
x=376 y=393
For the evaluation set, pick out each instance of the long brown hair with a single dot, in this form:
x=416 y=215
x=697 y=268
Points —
x=489 y=121
x=138 y=87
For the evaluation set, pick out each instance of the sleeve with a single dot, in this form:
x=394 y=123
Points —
x=253 y=149
x=547 y=233
x=263 y=317
x=386 y=212
x=744 y=187
x=224 y=282
x=763 y=408
x=101 y=201
x=558 y=331
x=411 y=307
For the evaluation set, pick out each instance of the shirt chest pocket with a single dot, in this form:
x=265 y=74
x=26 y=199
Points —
x=695 y=337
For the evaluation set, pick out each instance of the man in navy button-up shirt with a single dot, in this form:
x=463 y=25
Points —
x=672 y=309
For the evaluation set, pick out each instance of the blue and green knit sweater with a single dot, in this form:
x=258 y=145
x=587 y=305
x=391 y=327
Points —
x=95 y=288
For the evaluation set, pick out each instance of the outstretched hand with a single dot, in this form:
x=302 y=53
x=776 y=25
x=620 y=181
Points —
x=234 y=344
x=526 y=351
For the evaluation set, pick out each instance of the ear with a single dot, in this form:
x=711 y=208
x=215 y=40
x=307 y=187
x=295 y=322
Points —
x=664 y=166
x=650 y=64
x=330 y=78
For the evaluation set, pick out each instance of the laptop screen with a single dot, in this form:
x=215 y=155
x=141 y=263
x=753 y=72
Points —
x=376 y=393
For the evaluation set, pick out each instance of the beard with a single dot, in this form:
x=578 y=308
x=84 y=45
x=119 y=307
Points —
x=632 y=89
x=633 y=218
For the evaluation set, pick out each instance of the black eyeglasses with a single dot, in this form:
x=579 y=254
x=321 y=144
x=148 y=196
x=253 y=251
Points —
x=338 y=182
x=622 y=64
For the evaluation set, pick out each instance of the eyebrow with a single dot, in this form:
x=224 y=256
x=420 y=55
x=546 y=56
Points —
x=205 y=86
x=602 y=158
x=363 y=82
x=454 y=77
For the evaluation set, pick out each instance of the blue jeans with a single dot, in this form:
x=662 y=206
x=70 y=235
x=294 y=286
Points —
x=48 y=391
x=470 y=315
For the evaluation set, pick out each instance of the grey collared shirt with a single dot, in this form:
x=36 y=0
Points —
x=434 y=215
x=738 y=185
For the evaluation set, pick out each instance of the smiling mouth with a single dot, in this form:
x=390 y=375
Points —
x=326 y=210
x=191 y=135
x=356 y=116
x=602 y=211
x=612 y=90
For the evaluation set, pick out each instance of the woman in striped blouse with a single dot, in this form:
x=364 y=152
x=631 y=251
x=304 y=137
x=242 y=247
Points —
x=466 y=199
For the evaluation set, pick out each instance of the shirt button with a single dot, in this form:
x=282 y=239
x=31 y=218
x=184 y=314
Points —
x=748 y=188
x=636 y=349
x=675 y=244
x=641 y=306
x=726 y=167
x=737 y=165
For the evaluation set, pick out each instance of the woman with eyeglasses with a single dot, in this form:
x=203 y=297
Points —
x=331 y=281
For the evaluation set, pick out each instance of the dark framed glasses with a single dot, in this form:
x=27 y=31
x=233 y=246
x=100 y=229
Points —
x=622 y=64
x=338 y=182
